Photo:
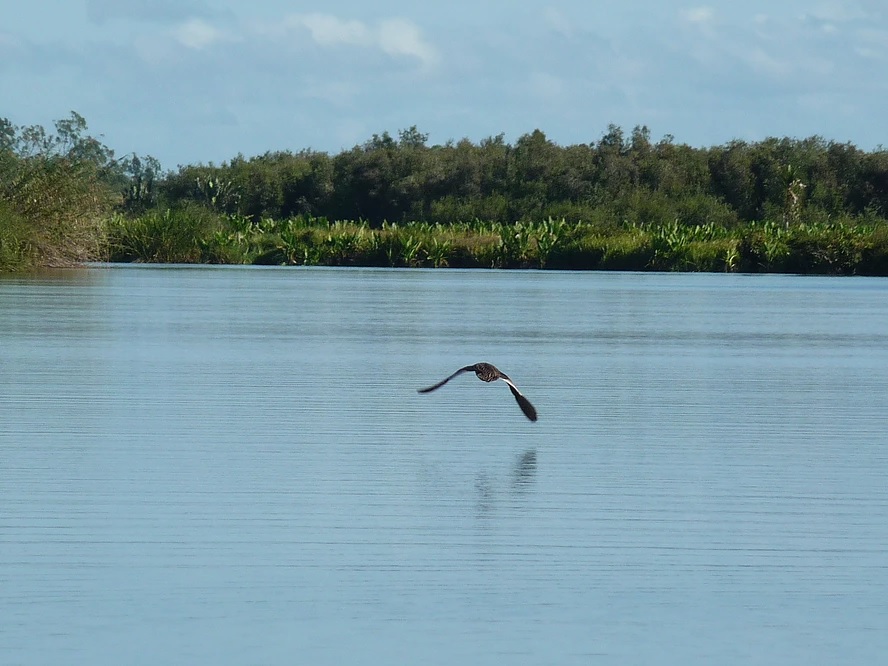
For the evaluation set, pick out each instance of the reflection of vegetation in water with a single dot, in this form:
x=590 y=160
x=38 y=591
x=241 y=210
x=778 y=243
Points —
x=621 y=203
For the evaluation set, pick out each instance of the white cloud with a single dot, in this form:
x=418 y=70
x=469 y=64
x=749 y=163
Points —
x=393 y=36
x=837 y=12
x=401 y=37
x=197 y=34
x=699 y=15
x=329 y=30
x=833 y=17
x=760 y=50
x=558 y=22
x=872 y=44
x=765 y=63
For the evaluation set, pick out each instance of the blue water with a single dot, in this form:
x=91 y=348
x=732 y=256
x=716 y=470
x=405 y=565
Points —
x=233 y=466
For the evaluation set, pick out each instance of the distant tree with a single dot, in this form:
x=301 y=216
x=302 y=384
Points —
x=140 y=182
x=730 y=168
x=412 y=138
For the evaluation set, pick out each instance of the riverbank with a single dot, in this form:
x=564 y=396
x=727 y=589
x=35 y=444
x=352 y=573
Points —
x=183 y=237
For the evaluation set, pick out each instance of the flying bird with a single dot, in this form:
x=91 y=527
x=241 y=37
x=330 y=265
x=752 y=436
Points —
x=488 y=373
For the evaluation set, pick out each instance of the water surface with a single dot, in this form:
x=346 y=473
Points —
x=232 y=465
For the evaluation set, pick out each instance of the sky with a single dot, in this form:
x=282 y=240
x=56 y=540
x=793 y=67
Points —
x=200 y=81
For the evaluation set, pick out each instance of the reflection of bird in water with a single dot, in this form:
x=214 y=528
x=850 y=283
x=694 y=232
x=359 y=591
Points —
x=525 y=468
x=488 y=373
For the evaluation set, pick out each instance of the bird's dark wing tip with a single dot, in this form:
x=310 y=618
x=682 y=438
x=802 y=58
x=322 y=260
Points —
x=528 y=409
x=429 y=389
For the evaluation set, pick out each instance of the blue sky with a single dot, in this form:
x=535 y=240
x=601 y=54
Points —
x=193 y=81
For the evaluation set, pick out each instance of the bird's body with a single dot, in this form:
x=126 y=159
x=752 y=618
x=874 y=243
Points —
x=489 y=373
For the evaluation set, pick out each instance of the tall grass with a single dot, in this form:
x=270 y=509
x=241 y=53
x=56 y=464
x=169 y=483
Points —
x=197 y=235
x=187 y=235
x=51 y=215
x=53 y=200
x=16 y=240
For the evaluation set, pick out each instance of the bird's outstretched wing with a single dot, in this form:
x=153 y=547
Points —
x=528 y=409
x=429 y=389
x=490 y=374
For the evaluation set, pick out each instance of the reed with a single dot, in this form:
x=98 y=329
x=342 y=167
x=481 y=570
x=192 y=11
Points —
x=170 y=236
x=198 y=235
x=16 y=247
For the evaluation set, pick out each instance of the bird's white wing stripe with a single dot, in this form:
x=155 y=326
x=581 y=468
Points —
x=509 y=382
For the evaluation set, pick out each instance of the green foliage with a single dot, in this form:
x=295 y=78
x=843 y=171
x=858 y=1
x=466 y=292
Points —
x=623 y=177
x=54 y=193
x=621 y=202
x=16 y=249
x=873 y=250
x=138 y=183
x=549 y=234
x=170 y=236
x=439 y=252
x=195 y=234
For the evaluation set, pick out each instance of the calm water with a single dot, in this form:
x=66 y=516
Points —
x=233 y=466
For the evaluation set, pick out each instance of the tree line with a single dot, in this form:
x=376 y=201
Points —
x=617 y=178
